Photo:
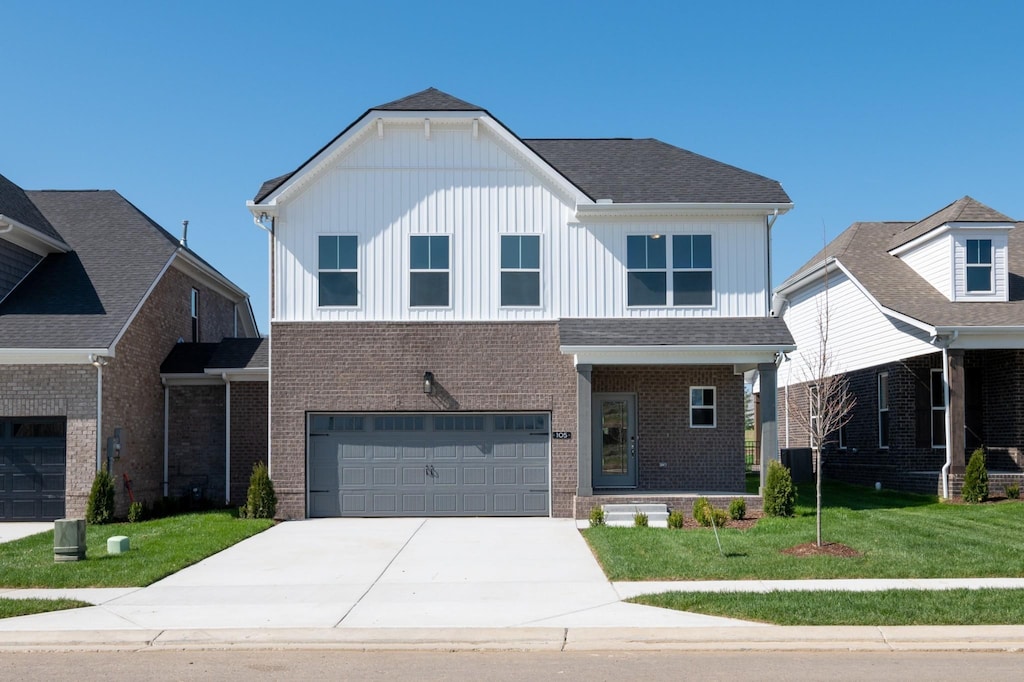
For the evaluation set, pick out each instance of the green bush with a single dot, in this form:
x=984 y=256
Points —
x=779 y=491
x=702 y=511
x=738 y=509
x=640 y=519
x=597 y=516
x=136 y=512
x=976 y=479
x=261 y=502
x=1013 y=491
x=100 y=507
x=675 y=519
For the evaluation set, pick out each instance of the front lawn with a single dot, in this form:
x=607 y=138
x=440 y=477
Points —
x=9 y=608
x=898 y=535
x=158 y=549
x=889 y=607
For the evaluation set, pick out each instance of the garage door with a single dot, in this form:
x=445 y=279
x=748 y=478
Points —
x=32 y=466
x=428 y=464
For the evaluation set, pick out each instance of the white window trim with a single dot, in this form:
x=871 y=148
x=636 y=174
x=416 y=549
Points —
x=812 y=416
x=665 y=271
x=410 y=270
x=358 y=271
x=670 y=257
x=194 y=306
x=538 y=270
x=881 y=409
x=991 y=266
x=714 y=407
x=842 y=437
x=942 y=409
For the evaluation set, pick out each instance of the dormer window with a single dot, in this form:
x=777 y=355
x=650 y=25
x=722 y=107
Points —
x=979 y=266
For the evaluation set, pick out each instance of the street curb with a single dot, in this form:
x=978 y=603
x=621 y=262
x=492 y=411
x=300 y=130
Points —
x=761 y=638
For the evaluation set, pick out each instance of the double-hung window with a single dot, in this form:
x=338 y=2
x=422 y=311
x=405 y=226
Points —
x=338 y=270
x=646 y=272
x=702 y=407
x=883 y=410
x=938 y=410
x=979 y=265
x=429 y=271
x=691 y=269
x=520 y=270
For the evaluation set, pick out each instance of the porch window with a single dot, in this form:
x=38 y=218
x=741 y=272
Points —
x=338 y=270
x=883 y=410
x=429 y=271
x=646 y=270
x=938 y=410
x=520 y=270
x=702 y=407
x=979 y=265
x=691 y=269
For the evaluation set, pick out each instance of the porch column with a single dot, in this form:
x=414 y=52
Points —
x=769 y=419
x=955 y=372
x=584 y=448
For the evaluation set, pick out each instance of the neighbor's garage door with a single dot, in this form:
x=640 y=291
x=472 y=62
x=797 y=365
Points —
x=32 y=466
x=428 y=464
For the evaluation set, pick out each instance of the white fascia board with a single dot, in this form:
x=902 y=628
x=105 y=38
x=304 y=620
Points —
x=30 y=238
x=671 y=210
x=240 y=373
x=895 y=314
x=191 y=379
x=979 y=338
x=806 y=277
x=943 y=229
x=674 y=355
x=52 y=356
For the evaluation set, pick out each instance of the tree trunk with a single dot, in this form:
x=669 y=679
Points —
x=817 y=496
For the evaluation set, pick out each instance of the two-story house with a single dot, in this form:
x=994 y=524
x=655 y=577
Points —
x=926 y=320
x=464 y=322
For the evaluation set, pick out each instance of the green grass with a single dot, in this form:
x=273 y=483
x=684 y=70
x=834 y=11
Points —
x=891 y=607
x=158 y=549
x=899 y=536
x=9 y=608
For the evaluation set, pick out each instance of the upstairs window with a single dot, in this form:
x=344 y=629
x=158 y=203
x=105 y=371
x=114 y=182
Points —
x=691 y=269
x=650 y=279
x=429 y=272
x=339 y=270
x=702 y=407
x=194 y=305
x=645 y=270
x=520 y=270
x=979 y=266
x=883 y=410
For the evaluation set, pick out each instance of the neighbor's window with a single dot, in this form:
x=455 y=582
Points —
x=520 y=270
x=702 y=406
x=194 y=305
x=979 y=265
x=691 y=269
x=646 y=271
x=842 y=437
x=812 y=400
x=883 y=410
x=338 y=270
x=429 y=271
x=938 y=410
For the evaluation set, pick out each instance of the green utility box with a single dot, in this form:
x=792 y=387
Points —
x=69 y=539
x=118 y=544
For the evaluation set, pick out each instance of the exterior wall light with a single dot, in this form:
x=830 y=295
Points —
x=428 y=383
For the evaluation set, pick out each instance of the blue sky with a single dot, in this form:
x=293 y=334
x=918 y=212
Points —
x=864 y=111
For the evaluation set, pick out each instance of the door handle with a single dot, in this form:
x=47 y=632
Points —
x=632 y=446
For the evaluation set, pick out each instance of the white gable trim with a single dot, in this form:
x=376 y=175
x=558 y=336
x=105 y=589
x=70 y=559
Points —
x=614 y=211
x=944 y=228
x=30 y=238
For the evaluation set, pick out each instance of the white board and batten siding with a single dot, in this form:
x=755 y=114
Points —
x=476 y=189
x=860 y=335
x=933 y=260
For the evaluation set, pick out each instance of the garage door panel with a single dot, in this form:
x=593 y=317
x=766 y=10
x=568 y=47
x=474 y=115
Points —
x=474 y=475
x=353 y=476
x=385 y=477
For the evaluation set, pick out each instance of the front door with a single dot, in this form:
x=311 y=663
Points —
x=614 y=416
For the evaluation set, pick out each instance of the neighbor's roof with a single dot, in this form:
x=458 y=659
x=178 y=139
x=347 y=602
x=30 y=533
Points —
x=676 y=331
x=966 y=210
x=621 y=169
x=15 y=204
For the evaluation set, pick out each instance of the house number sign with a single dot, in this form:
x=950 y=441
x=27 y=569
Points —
x=561 y=435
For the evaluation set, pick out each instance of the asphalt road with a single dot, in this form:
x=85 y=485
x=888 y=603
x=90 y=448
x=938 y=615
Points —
x=533 y=666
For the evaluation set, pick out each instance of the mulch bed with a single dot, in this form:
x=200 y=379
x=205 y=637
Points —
x=741 y=524
x=826 y=549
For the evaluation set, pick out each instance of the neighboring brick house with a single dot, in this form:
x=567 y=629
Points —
x=464 y=322
x=926 y=320
x=93 y=297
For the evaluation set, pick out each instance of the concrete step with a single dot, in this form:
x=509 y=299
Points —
x=622 y=515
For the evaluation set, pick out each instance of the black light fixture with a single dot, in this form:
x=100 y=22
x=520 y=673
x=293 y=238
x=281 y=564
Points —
x=428 y=383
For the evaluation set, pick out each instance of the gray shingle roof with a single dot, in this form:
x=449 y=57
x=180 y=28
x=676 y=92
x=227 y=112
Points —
x=15 y=204
x=188 y=358
x=624 y=170
x=83 y=298
x=966 y=210
x=235 y=353
x=680 y=331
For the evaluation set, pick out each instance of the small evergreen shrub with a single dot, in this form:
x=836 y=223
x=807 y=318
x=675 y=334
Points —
x=720 y=516
x=702 y=511
x=261 y=502
x=779 y=491
x=136 y=512
x=597 y=517
x=640 y=519
x=976 y=479
x=100 y=507
x=675 y=519
x=1013 y=491
x=738 y=509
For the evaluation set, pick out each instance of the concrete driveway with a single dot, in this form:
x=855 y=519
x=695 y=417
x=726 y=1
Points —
x=22 y=529
x=383 y=573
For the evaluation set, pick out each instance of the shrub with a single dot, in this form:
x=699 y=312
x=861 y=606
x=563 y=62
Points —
x=261 y=502
x=702 y=511
x=779 y=491
x=136 y=512
x=976 y=478
x=597 y=516
x=675 y=519
x=738 y=509
x=1013 y=491
x=720 y=516
x=640 y=519
x=100 y=507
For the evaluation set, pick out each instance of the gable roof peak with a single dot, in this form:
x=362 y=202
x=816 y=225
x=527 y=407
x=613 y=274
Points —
x=965 y=209
x=430 y=99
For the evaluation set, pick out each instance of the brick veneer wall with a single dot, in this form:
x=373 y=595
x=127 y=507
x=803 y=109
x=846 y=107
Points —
x=249 y=404
x=59 y=391
x=696 y=459
x=379 y=367
x=196 y=442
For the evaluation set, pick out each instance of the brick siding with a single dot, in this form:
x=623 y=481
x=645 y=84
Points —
x=249 y=404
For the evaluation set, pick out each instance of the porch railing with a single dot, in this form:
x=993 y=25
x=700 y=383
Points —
x=752 y=453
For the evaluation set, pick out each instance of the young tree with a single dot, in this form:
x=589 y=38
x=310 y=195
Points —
x=829 y=401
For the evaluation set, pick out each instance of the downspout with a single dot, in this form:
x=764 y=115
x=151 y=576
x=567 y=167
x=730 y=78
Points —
x=948 y=417
x=271 y=232
x=99 y=362
x=769 y=221
x=227 y=438
x=167 y=448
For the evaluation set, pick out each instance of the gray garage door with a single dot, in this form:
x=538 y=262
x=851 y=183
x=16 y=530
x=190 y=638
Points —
x=32 y=467
x=428 y=464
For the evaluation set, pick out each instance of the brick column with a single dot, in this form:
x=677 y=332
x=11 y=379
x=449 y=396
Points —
x=584 y=429
x=955 y=373
x=769 y=419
